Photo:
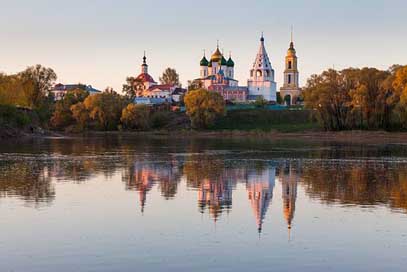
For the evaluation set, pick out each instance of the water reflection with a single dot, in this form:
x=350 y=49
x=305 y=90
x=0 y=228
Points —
x=213 y=173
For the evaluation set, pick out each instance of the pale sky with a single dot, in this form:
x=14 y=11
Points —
x=101 y=42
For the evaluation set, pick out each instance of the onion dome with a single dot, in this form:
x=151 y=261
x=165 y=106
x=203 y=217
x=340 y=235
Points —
x=291 y=50
x=204 y=61
x=217 y=56
x=230 y=62
x=223 y=61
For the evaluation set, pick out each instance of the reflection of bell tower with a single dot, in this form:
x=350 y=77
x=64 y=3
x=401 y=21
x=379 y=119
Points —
x=260 y=190
x=289 y=194
x=290 y=91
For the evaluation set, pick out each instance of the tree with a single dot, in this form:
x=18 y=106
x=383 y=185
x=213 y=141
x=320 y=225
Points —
x=43 y=79
x=204 y=107
x=62 y=115
x=170 y=76
x=133 y=88
x=106 y=109
x=136 y=117
x=80 y=114
x=15 y=90
x=194 y=85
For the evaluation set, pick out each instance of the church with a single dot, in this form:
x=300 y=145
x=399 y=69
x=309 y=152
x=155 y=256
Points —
x=217 y=74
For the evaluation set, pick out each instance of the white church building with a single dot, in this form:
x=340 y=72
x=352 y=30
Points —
x=261 y=82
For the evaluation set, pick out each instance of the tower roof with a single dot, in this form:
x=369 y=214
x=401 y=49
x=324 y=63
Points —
x=230 y=62
x=262 y=60
x=223 y=61
x=204 y=61
x=216 y=56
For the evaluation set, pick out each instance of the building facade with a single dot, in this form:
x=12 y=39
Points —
x=60 y=90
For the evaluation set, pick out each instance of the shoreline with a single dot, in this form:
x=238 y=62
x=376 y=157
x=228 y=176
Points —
x=367 y=137
x=354 y=136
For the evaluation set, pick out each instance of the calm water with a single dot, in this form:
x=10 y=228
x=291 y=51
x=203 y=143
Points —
x=122 y=204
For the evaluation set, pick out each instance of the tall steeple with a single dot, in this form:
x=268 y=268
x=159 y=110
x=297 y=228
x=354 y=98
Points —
x=261 y=82
x=291 y=90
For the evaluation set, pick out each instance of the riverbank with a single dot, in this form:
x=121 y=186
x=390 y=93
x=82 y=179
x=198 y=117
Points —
x=362 y=137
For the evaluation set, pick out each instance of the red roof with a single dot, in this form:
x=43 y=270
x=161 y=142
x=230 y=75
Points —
x=162 y=87
x=144 y=77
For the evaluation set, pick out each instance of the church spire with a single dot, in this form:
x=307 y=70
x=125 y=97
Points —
x=144 y=66
x=292 y=40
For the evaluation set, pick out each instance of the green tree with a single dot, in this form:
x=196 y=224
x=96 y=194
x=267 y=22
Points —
x=204 y=107
x=136 y=117
x=170 y=76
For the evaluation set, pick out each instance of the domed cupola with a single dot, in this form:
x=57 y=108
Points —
x=223 y=61
x=230 y=62
x=204 y=61
x=216 y=56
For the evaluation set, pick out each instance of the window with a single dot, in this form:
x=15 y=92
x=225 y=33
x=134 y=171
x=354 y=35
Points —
x=290 y=65
x=258 y=73
x=289 y=79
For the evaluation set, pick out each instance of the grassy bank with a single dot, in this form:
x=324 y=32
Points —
x=267 y=120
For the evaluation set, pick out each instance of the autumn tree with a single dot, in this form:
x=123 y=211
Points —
x=62 y=115
x=204 y=107
x=105 y=109
x=43 y=79
x=80 y=114
x=15 y=90
x=133 y=88
x=170 y=76
x=136 y=117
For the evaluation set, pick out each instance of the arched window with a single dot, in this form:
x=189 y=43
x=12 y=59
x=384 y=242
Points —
x=258 y=73
x=289 y=79
x=267 y=73
x=290 y=65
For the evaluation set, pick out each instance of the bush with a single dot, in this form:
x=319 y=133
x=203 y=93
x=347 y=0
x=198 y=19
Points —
x=160 y=119
x=10 y=115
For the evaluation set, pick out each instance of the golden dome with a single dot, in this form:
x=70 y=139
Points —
x=217 y=56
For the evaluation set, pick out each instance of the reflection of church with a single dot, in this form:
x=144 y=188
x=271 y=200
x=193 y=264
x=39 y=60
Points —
x=216 y=195
x=260 y=190
x=289 y=179
x=143 y=177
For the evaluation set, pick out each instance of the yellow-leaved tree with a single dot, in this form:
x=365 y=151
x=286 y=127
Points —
x=204 y=107
x=136 y=117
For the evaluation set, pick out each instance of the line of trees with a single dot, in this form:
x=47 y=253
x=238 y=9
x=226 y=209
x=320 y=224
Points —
x=365 y=98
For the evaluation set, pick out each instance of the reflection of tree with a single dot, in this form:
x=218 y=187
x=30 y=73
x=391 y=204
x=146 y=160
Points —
x=364 y=183
x=26 y=180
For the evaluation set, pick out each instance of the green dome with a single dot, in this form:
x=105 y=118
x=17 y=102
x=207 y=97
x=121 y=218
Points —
x=204 y=62
x=223 y=61
x=230 y=62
